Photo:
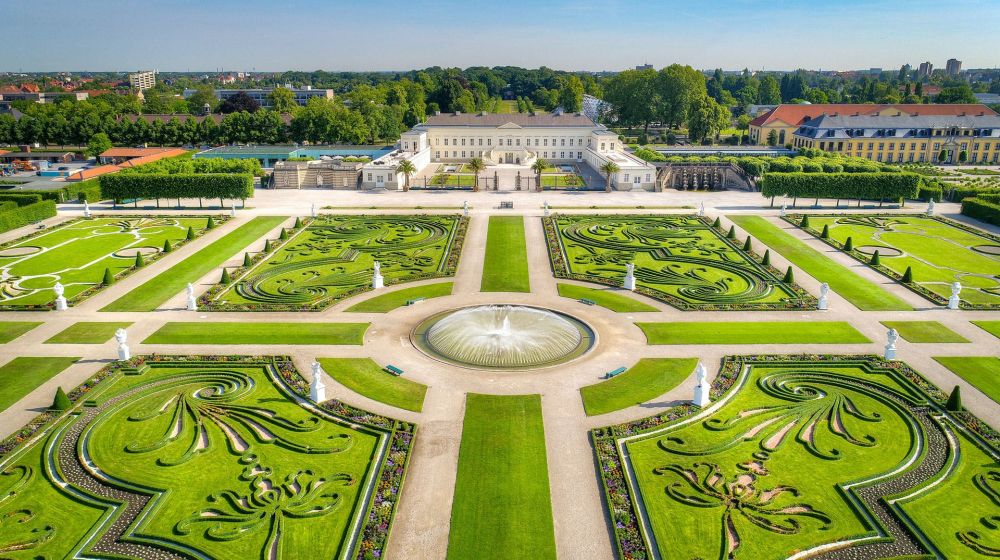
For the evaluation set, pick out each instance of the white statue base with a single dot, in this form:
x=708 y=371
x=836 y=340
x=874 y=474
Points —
x=61 y=304
x=823 y=304
x=378 y=282
x=701 y=395
x=890 y=352
x=953 y=302
x=123 y=352
x=629 y=283
x=192 y=304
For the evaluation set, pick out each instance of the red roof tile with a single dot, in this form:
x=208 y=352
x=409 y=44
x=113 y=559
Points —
x=794 y=115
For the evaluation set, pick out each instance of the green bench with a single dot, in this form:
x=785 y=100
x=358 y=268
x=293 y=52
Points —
x=614 y=372
x=588 y=301
x=414 y=300
x=393 y=370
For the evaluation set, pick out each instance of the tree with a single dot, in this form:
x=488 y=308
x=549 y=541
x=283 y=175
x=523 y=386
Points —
x=226 y=279
x=98 y=144
x=789 y=277
x=633 y=98
x=571 y=95
x=109 y=278
x=203 y=95
x=772 y=138
x=539 y=166
x=942 y=156
x=406 y=168
x=476 y=165
x=676 y=86
x=282 y=100
x=139 y=262
x=954 y=403
x=239 y=102
x=706 y=118
x=770 y=91
x=956 y=94
x=963 y=156
x=609 y=169
x=61 y=401
x=908 y=275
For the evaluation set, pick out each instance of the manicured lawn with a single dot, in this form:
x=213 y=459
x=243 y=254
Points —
x=983 y=372
x=865 y=295
x=992 y=327
x=563 y=180
x=87 y=333
x=22 y=375
x=390 y=301
x=506 y=263
x=501 y=507
x=259 y=333
x=9 y=330
x=171 y=282
x=924 y=331
x=365 y=377
x=770 y=332
x=645 y=380
x=605 y=298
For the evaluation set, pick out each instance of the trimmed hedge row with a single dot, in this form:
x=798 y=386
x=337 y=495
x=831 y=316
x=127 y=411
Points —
x=869 y=186
x=927 y=192
x=89 y=190
x=23 y=215
x=121 y=186
x=983 y=209
x=186 y=165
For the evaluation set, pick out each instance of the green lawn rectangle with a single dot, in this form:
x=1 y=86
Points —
x=171 y=282
x=992 y=327
x=87 y=332
x=605 y=298
x=22 y=375
x=924 y=331
x=865 y=295
x=502 y=506
x=387 y=302
x=740 y=332
x=647 y=379
x=365 y=377
x=9 y=330
x=505 y=268
x=982 y=372
x=259 y=333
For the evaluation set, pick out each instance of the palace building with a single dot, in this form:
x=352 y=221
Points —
x=517 y=139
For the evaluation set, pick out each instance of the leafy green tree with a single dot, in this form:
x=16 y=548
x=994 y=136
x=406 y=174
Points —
x=770 y=91
x=98 y=144
x=203 y=95
x=609 y=169
x=772 y=138
x=676 y=87
x=706 y=118
x=571 y=94
x=956 y=94
x=282 y=100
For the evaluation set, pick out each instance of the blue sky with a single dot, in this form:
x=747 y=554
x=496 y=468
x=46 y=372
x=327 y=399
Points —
x=47 y=35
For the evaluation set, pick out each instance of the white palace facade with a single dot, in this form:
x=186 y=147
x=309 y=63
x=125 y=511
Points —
x=516 y=139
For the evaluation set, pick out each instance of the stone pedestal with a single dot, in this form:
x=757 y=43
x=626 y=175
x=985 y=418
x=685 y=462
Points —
x=890 y=351
x=61 y=304
x=824 y=297
x=377 y=282
x=192 y=304
x=953 y=302
x=123 y=352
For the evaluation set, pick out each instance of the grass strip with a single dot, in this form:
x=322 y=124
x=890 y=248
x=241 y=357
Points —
x=87 y=332
x=648 y=379
x=992 y=327
x=392 y=300
x=502 y=505
x=365 y=377
x=259 y=333
x=865 y=295
x=172 y=281
x=982 y=372
x=753 y=332
x=605 y=298
x=9 y=330
x=505 y=268
x=23 y=375
x=924 y=331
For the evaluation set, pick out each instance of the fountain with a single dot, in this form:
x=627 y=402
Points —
x=503 y=337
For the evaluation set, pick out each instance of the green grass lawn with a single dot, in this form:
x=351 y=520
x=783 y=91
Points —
x=172 y=281
x=749 y=332
x=22 y=375
x=9 y=330
x=392 y=300
x=992 y=327
x=502 y=505
x=259 y=333
x=563 y=180
x=924 y=331
x=983 y=372
x=87 y=333
x=452 y=180
x=365 y=377
x=646 y=380
x=505 y=268
x=605 y=298
x=865 y=295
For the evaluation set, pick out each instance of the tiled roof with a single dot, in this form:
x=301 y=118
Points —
x=92 y=172
x=795 y=115
x=520 y=119
x=828 y=127
x=132 y=152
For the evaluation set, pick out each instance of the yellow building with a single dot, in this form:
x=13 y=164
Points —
x=905 y=139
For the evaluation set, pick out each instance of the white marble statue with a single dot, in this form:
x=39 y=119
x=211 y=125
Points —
x=702 y=389
x=629 y=277
x=701 y=210
x=233 y=211
x=122 y=337
x=824 y=297
x=86 y=209
x=545 y=206
x=930 y=207
x=783 y=211
x=465 y=208
x=312 y=210
x=317 y=389
x=890 y=345
x=192 y=303
x=954 y=300
x=60 y=299
x=377 y=280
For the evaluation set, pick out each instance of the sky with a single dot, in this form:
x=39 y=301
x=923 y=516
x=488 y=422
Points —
x=349 y=35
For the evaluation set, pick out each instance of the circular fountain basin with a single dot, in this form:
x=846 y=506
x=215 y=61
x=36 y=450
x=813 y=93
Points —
x=506 y=337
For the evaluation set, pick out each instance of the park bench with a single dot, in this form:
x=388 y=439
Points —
x=586 y=301
x=506 y=205
x=393 y=370
x=614 y=372
x=414 y=300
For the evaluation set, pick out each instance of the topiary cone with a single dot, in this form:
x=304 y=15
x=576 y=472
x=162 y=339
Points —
x=849 y=244
x=954 y=403
x=804 y=222
x=789 y=276
x=109 y=278
x=225 y=277
x=732 y=233
x=298 y=223
x=139 y=263
x=908 y=276
x=747 y=245
x=875 y=260
x=717 y=223
x=267 y=245
x=246 y=259
x=61 y=401
x=767 y=257
x=166 y=246
x=284 y=234
x=826 y=232
x=190 y=234
x=210 y=224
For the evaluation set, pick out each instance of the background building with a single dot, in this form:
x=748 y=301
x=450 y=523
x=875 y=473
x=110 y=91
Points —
x=925 y=70
x=953 y=67
x=142 y=80
x=263 y=95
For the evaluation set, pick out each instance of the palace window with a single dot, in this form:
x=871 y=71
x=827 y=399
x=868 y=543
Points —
x=562 y=142
x=369 y=176
x=579 y=155
x=626 y=177
x=562 y=155
x=437 y=155
x=445 y=141
x=602 y=146
x=463 y=141
x=518 y=142
x=545 y=141
x=508 y=142
x=463 y=153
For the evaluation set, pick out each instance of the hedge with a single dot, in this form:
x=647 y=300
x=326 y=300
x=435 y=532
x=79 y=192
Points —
x=927 y=192
x=120 y=186
x=55 y=195
x=982 y=210
x=20 y=198
x=185 y=165
x=958 y=194
x=89 y=190
x=24 y=215
x=869 y=186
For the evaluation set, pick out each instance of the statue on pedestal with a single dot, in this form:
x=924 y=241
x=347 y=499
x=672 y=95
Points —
x=192 y=303
x=465 y=208
x=701 y=210
x=122 y=337
x=954 y=300
x=930 y=207
x=312 y=209
x=702 y=389
x=783 y=211
x=824 y=297
x=61 y=304
x=233 y=211
x=545 y=205
x=317 y=389
x=377 y=280
x=890 y=346
x=629 y=277
x=86 y=210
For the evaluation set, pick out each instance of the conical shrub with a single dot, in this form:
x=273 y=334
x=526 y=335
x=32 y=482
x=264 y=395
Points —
x=210 y=224
x=747 y=245
x=849 y=244
x=284 y=234
x=804 y=222
x=767 y=257
x=732 y=233
x=109 y=278
x=789 y=276
x=226 y=279
x=61 y=401
x=166 y=246
x=717 y=223
x=190 y=234
x=298 y=223
x=875 y=260
x=908 y=276
x=139 y=262
x=826 y=232
x=267 y=245
x=246 y=259
x=954 y=403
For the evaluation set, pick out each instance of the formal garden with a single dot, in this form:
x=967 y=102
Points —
x=683 y=260
x=926 y=254
x=327 y=259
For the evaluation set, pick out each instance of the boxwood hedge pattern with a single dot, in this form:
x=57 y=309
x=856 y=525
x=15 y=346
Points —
x=940 y=251
x=772 y=467
x=76 y=253
x=681 y=260
x=202 y=456
x=331 y=258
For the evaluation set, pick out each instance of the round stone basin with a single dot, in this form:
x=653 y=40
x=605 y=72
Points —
x=503 y=337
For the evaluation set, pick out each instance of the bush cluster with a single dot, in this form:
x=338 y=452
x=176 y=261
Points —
x=868 y=186
x=119 y=186
x=21 y=209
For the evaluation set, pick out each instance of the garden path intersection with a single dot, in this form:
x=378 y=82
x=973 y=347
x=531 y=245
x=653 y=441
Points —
x=867 y=400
